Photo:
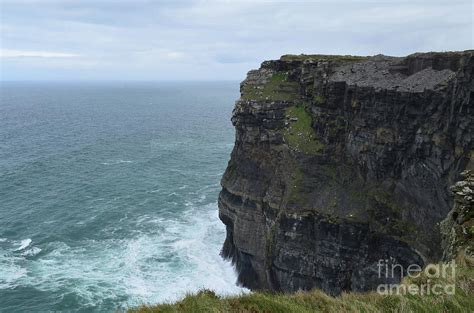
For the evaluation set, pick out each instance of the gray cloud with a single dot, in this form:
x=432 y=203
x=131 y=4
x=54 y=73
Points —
x=170 y=40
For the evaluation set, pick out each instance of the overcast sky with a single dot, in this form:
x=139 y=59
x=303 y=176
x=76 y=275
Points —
x=212 y=40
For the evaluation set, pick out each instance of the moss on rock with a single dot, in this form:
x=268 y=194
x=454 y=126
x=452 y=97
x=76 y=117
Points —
x=277 y=88
x=299 y=133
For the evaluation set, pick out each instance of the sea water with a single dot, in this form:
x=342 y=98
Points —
x=108 y=193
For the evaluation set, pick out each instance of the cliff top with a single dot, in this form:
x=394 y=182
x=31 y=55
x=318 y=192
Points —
x=277 y=79
x=351 y=58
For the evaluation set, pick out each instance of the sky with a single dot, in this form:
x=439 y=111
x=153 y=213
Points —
x=212 y=40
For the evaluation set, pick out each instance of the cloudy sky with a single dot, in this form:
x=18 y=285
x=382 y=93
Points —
x=212 y=40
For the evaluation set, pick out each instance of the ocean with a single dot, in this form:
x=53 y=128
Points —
x=108 y=193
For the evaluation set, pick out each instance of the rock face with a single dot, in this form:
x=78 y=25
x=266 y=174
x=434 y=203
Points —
x=458 y=227
x=340 y=161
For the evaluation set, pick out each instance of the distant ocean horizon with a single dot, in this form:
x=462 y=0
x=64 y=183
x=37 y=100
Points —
x=108 y=193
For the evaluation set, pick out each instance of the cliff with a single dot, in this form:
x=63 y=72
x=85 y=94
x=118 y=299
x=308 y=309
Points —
x=340 y=161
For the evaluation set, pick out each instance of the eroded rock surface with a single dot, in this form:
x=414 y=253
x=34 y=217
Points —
x=340 y=161
x=458 y=227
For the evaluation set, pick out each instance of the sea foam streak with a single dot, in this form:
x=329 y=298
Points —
x=116 y=162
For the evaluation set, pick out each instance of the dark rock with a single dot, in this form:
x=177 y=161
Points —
x=341 y=161
x=458 y=227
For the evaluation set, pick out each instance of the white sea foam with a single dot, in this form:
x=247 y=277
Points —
x=31 y=252
x=23 y=244
x=11 y=269
x=178 y=255
x=10 y=273
x=3 y=239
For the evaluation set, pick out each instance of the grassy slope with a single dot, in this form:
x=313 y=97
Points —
x=277 y=88
x=299 y=134
x=317 y=301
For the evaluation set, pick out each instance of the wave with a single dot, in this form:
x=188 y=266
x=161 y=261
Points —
x=173 y=256
x=31 y=252
x=23 y=244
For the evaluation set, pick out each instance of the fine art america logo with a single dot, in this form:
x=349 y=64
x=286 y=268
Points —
x=435 y=279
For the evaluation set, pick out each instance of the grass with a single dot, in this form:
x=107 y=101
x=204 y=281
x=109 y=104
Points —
x=317 y=301
x=278 y=88
x=300 y=135
x=319 y=99
x=322 y=57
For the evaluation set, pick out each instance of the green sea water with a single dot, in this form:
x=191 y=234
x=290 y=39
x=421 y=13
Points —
x=108 y=193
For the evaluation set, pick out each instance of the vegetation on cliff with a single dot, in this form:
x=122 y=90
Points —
x=318 y=301
x=299 y=134
x=322 y=57
x=278 y=87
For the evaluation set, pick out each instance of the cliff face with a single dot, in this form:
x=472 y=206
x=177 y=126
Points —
x=340 y=161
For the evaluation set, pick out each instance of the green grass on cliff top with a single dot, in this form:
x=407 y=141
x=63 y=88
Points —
x=322 y=57
x=299 y=133
x=317 y=301
x=278 y=88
